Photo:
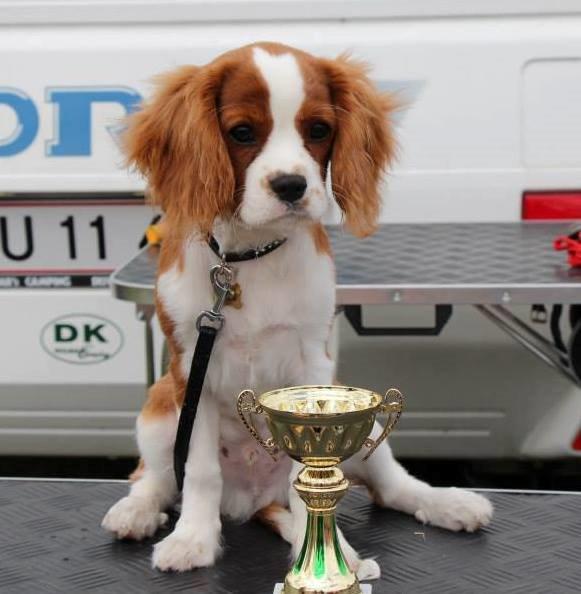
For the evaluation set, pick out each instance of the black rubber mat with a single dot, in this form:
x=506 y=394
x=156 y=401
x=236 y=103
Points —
x=51 y=541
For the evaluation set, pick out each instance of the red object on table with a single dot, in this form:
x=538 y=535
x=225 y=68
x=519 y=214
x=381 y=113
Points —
x=571 y=243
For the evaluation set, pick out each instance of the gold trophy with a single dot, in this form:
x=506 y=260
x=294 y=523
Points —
x=320 y=426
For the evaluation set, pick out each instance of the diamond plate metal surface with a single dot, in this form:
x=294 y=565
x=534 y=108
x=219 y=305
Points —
x=454 y=254
x=51 y=541
x=455 y=263
x=428 y=263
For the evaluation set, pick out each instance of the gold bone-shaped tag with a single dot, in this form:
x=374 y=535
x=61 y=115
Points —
x=234 y=298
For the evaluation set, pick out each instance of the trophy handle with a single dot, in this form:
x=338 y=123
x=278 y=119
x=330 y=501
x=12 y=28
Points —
x=246 y=403
x=393 y=405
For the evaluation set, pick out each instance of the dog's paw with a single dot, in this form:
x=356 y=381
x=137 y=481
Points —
x=454 y=509
x=365 y=569
x=183 y=550
x=133 y=517
x=368 y=569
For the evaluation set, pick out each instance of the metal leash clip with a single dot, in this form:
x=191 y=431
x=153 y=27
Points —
x=221 y=277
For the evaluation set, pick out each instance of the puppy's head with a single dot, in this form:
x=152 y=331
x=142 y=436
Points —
x=250 y=136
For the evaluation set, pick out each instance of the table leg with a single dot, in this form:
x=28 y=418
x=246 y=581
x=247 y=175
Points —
x=145 y=314
x=529 y=338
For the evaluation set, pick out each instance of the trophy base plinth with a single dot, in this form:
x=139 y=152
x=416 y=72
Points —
x=365 y=589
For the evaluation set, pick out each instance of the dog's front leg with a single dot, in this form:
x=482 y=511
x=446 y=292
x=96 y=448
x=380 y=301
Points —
x=392 y=486
x=195 y=541
x=142 y=512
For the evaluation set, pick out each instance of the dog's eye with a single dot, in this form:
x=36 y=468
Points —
x=243 y=134
x=319 y=131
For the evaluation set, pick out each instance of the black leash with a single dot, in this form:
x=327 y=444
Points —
x=204 y=346
x=208 y=324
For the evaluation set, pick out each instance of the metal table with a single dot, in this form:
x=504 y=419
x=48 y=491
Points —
x=51 y=541
x=488 y=265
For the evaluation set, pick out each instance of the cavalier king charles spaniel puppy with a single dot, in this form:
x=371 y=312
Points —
x=240 y=150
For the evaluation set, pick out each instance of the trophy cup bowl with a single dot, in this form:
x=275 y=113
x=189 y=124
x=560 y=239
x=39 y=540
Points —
x=320 y=426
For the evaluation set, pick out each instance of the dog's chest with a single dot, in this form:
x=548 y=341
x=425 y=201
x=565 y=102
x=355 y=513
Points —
x=261 y=345
x=285 y=297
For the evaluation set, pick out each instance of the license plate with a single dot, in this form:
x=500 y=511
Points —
x=49 y=243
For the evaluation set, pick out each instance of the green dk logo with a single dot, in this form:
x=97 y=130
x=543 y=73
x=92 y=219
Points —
x=70 y=333
x=82 y=339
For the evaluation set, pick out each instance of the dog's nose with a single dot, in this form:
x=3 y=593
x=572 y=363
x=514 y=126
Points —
x=289 y=188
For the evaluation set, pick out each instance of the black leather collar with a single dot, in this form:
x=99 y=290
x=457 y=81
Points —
x=252 y=254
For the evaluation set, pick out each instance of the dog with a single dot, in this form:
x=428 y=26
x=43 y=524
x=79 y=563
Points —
x=241 y=150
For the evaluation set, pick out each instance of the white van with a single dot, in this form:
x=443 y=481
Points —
x=493 y=109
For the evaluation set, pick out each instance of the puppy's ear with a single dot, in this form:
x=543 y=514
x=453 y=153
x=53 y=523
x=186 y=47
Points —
x=176 y=142
x=363 y=144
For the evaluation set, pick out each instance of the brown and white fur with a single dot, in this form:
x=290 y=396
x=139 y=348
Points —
x=207 y=181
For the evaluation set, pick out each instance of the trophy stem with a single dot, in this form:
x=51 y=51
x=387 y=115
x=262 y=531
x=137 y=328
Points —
x=321 y=567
